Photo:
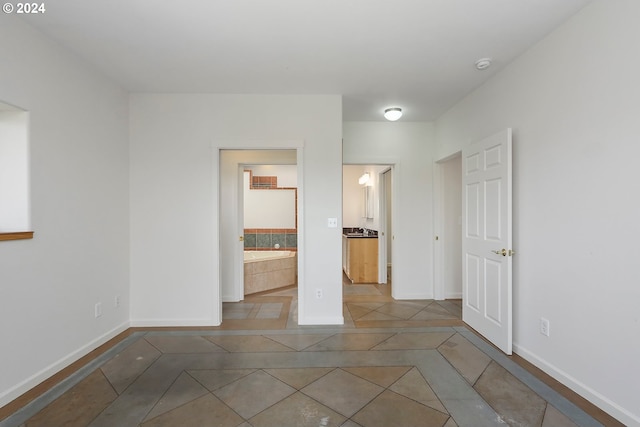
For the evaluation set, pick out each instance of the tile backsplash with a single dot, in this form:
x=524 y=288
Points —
x=266 y=239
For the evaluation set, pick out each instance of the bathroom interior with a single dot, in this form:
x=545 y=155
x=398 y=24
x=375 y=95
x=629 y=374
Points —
x=270 y=227
x=271 y=223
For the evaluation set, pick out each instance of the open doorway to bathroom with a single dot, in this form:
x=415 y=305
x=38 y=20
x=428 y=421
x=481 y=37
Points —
x=259 y=205
x=367 y=242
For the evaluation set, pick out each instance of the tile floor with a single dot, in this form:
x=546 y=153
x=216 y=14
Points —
x=393 y=363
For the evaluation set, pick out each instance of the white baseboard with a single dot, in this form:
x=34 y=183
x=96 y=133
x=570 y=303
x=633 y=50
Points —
x=155 y=323
x=26 y=385
x=613 y=409
x=456 y=295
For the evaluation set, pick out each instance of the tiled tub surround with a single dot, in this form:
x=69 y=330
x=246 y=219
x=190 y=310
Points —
x=267 y=270
x=264 y=239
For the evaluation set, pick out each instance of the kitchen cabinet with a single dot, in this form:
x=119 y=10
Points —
x=360 y=259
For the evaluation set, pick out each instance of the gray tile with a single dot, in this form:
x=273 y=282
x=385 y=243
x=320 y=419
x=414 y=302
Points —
x=555 y=418
x=414 y=386
x=299 y=341
x=263 y=240
x=206 y=411
x=130 y=408
x=343 y=392
x=465 y=357
x=183 y=390
x=214 y=379
x=250 y=240
x=127 y=365
x=300 y=411
x=414 y=340
x=79 y=405
x=254 y=393
x=391 y=409
x=516 y=403
x=298 y=377
x=183 y=344
x=291 y=240
x=278 y=239
x=248 y=344
x=364 y=341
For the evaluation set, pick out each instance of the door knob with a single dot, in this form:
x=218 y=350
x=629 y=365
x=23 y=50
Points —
x=503 y=252
x=242 y=238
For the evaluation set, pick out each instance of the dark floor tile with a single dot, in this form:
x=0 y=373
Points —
x=78 y=406
x=516 y=403
x=254 y=393
x=298 y=377
x=391 y=409
x=127 y=365
x=183 y=390
x=465 y=357
x=182 y=344
x=206 y=411
x=342 y=392
x=300 y=411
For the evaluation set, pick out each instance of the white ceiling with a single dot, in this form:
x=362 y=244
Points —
x=416 y=54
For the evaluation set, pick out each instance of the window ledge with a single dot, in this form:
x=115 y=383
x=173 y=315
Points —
x=18 y=235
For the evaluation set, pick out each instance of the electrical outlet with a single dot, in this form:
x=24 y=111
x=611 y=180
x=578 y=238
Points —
x=116 y=301
x=98 y=309
x=318 y=293
x=544 y=326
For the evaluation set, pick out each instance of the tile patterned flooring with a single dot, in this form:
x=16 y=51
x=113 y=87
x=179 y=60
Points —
x=393 y=363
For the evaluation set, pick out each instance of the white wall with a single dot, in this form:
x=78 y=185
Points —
x=79 y=185
x=174 y=188
x=268 y=208
x=14 y=171
x=572 y=101
x=352 y=197
x=409 y=147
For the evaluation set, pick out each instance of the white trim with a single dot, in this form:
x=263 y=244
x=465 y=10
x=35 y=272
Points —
x=40 y=376
x=588 y=393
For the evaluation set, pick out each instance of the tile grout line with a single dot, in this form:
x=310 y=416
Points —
x=36 y=405
x=561 y=403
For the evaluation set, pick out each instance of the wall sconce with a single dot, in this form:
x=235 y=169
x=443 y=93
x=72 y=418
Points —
x=363 y=179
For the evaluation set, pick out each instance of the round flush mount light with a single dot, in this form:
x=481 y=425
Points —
x=483 y=63
x=393 y=114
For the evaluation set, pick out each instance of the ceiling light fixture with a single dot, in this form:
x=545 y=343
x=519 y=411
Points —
x=483 y=63
x=393 y=114
x=364 y=178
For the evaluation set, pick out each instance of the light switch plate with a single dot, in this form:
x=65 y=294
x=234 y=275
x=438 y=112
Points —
x=332 y=222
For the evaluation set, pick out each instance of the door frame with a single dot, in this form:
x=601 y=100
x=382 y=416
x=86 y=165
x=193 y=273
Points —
x=440 y=236
x=229 y=239
x=393 y=166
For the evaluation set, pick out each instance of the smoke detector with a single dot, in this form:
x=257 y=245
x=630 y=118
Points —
x=483 y=63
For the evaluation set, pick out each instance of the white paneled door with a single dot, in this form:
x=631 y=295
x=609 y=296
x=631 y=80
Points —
x=486 y=238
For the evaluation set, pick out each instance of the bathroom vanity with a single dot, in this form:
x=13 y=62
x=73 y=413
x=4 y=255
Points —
x=360 y=256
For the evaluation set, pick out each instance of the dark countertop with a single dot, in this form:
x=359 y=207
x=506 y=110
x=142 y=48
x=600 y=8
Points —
x=359 y=236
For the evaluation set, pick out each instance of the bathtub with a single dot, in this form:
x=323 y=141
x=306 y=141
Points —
x=267 y=270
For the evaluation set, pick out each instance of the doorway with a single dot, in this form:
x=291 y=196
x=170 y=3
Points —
x=449 y=228
x=232 y=217
x=367 y=214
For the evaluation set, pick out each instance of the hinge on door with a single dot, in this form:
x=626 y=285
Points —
x=242 y=238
